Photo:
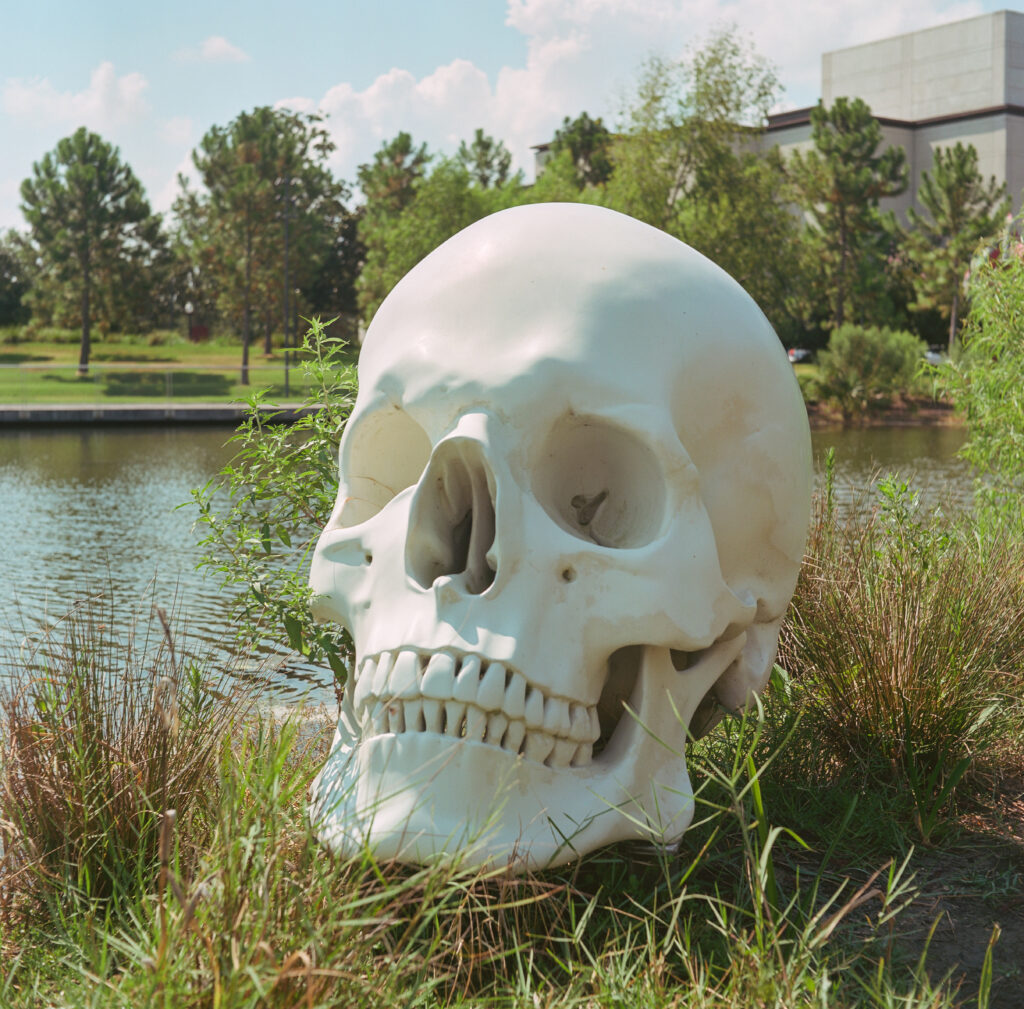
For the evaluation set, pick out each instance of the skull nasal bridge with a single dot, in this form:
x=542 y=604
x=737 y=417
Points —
x=470 y=699
x=453 y=521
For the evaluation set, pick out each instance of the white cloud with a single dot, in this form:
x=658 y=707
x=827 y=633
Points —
x=108 y=101
x=214 y=49
x=585 y=54
x=164 y=197
x=177 y=131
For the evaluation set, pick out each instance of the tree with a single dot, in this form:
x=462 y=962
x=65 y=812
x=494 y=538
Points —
x=89 y=223
x=962 y=209
x=389 y=184
x=268 y=218
x=689 y=162
x=389 y=181
x=487 y=160
x=686 y=123
x=14 y=282
x=443 y=203
x=840 y=183
x=588 y=143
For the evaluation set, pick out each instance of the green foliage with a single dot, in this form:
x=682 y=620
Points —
x=487 y=160
x=588 y=144
x=14 y=281
x=986 y=379
x=101 y=734
x=267 y=223
x=689 y=164
x=261 y=516
x=839 y=184
x=864 y=368
x=91 y=235
x=962 y=209
x=439 y=205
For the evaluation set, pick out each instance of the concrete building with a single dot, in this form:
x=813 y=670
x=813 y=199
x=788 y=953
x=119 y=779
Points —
x=962 y=81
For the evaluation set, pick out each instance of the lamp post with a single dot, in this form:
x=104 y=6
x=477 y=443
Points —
x=189 y=309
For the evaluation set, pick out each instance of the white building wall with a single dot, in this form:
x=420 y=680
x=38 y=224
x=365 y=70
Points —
x=973 y=64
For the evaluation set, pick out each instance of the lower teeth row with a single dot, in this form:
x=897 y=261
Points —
x=464 y=721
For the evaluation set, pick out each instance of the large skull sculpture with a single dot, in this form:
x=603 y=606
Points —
x=574 y=496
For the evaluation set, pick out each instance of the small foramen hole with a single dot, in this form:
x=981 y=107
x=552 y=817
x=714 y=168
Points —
x=368 y=557
x=569 y=575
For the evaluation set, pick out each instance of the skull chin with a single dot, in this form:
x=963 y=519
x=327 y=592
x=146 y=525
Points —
x=449 y=755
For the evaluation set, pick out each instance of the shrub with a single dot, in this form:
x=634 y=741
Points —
x=987 y=379
x=905 y=643
x=101 y=734
x=865 y=368
x=262 y=514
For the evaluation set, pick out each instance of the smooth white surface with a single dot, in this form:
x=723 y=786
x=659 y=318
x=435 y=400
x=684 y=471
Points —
x=577 y=474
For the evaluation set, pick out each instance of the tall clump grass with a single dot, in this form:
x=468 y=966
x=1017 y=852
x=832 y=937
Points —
x=905 y=644
x=259 y=915
x=102 y=731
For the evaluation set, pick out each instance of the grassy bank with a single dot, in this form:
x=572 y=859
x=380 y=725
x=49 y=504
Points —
x=138 y=369
x=859 y=840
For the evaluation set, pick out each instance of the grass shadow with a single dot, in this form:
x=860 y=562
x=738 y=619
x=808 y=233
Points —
x=118 y=357
x=9 y=357
x=156 y=384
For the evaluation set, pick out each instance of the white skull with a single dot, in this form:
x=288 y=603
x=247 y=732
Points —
x=574 y=496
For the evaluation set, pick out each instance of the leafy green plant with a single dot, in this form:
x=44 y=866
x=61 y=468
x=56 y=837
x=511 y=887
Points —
x=866 y=367
x=261 y=515
x=986 y=380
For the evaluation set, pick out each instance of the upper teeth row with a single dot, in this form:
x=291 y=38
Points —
x=488 y=693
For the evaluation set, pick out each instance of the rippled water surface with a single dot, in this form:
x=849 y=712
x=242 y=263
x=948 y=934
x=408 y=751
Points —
x=98 y=506
x=90 y=508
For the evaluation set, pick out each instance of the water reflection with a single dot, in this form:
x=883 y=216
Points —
x=98 y=507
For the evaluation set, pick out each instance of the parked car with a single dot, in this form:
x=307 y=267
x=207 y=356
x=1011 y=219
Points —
x=935 y=354
x=799 y=355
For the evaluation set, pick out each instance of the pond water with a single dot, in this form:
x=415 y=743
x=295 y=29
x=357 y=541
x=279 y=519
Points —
x=97 y=508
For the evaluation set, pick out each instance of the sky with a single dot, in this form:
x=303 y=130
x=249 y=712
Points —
x=152 y=78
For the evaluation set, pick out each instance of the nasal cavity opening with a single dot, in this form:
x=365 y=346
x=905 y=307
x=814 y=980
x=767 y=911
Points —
x=451 y=528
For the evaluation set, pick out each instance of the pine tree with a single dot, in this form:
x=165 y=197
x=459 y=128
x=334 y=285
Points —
x=840 y=183
x=89 y=220
x=962 y=209
x=487 y=160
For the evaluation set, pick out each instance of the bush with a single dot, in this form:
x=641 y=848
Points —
x=102 y=733
x=262 y=514
x=987 y=378
x=905 y=644
x=865 y=368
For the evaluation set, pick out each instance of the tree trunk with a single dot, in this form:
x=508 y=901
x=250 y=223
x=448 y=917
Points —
x=83 y=353
x=268 y=340
x=954 y=319
x=247 y=311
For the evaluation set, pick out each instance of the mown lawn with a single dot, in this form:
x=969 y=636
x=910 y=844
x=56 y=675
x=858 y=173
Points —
x=128 y=370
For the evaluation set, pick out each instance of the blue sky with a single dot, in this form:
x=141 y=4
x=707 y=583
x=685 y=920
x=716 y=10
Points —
x=152 y=78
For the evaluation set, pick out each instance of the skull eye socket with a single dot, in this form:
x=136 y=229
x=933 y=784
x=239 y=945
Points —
x=601 y=483
x=385 y=452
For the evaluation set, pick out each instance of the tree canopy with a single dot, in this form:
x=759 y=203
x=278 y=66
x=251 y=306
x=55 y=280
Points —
x=91 y=232
x=961 y=208
x=839 y=184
